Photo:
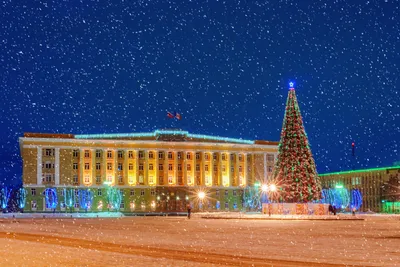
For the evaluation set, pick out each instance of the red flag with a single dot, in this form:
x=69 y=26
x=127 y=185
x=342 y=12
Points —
x=178 y=116
x=170 y=115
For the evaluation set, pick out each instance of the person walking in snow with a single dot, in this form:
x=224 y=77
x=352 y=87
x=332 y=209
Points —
x=189 y=210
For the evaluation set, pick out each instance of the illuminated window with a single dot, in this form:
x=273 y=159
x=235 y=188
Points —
x=179 y=167
x=170 y=155
x=98 y=166
x=160 y=167
x=141 y=154
x=120 y=179
x=151 y=180
x=197 y=156
x=240 y=168
x=109 y=166
x=151 y=155
x=120 y=167
x=197 y=167
x=109 y=154
x=141 y=179
x=160 y=155
x=170 y=179
x=98 y=153
x=240 y=157
x=141 y=167
x=75 y=166
x=75 y=179
x=130 y=154
x=130 y=166
x=75 y=153
x=98 y=179
x=206 y=168
x=232 y=169
x=120 y=154
x=87 y=166
x=151 y=167
x=132 y=192
x=189 y=179
x=179 y=155
x=232 y=156
x=161 y=179
x=206 y=156
x=223 y=168
x=87 y=178
x=189 y=167
x=87 y=154
x=223 y=156
x=170 y=168
x=215 y=167
x=180 y=180
x=109 y=178
x=33 y=191
x=188 y=156
x=215 y=156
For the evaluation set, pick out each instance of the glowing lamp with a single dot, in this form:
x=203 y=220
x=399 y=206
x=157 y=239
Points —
x=201 y=195
x=264 y=188
x=291 y=84
x=272 y=187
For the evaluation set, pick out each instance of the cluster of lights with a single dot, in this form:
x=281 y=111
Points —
x=51 y=198
x=164 y=132
x=85 y=198
x=4 y=197
x=21 y=199
x=342 y=198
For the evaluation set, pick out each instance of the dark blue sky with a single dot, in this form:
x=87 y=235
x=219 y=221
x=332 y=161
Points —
x=118 y=66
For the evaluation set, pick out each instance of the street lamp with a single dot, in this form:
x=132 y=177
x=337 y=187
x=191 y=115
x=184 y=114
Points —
x=201 y=195
x=272 y=188
x=264 y=188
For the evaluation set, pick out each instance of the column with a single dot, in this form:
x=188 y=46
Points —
x=104 y=165
x=211 y=168
x=228 y=168
x=81 y=165
x=237 y=174
x=39 y=165
x=185 y=161
x=265 y=168
x=220 y=174
x=136 y=167
x=126 y=167
x=93 y=166
x=175 y=155
x=244 y=169
x=146 y=168
x=57 y=166
x=156 y=171
x=115 y=166
x=202 y=169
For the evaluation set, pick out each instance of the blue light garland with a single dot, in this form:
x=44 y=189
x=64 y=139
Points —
x=4 y=197
x=85 y=198
x=342 y=198
x=51 y=198
x=164 y=132
x=21 y=198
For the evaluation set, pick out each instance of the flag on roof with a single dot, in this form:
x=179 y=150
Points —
x=170 y=115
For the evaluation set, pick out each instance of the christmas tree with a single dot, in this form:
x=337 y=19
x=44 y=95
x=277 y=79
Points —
x=295 y=172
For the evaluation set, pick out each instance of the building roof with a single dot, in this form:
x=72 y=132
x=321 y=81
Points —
x=174 y=135
x=361 y=171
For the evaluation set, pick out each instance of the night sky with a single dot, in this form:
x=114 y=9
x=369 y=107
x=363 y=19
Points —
x=119 y=66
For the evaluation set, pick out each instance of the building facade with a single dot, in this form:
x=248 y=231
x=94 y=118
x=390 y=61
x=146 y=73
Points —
x=373 y=184
x=157 y=171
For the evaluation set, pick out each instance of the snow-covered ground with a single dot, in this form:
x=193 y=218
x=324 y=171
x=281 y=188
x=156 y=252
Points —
x=177 y=241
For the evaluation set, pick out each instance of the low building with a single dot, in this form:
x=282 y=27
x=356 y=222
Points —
x=156 y=171
x=374 y=184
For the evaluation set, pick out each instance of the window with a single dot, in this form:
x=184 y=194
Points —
x=226 y=205
x=98 y=166
x=142 y=192
x=109 y=154
x=87 y=154
x=170 y=179
x=141 y=154
x=179 y=167
x=49 y=152
x=98 y=179
x=270 y=157
x=160 y=167
x=87 y=178
x=197 y=167
x=215 y=168
x=122 y=205
x=170 y=155
x=226 y=193
x=75 y=166
x=189 y=179
x=232 y=157
x=240 y=157
x=48 y=165
x=132 y=192
x=140 y=179
x=120 y=179
x=75 y=179
x=130 y=167
x=160 y=155
x=153 y=192
x=141 y=167
x=120 y=154
x=234 y=192
x=120 y=167
x=240 y=168
x=33 y=191
x=217 y=193
x=98 y=153
x=215 y=156
x=33 y=205
x=151 y=179
x=130 y=154
x=197 y=156
x=151 y=155
x=189 y=167
x=48 y=177
x=76 y=205
x=87 y=166
x=223 y=156
x=179 y=155
x=223 y=168
x=206 y=156
x=109 y=178
x=75 y=153
x=161 y=179
x=206 y=168
x=189 y=156
x=180 y=181
x=232 y=169
x=109 y=166
x=150 y=167
x=170 y=168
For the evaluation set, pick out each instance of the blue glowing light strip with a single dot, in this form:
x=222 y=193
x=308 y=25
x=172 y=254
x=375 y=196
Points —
x=159 y=132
